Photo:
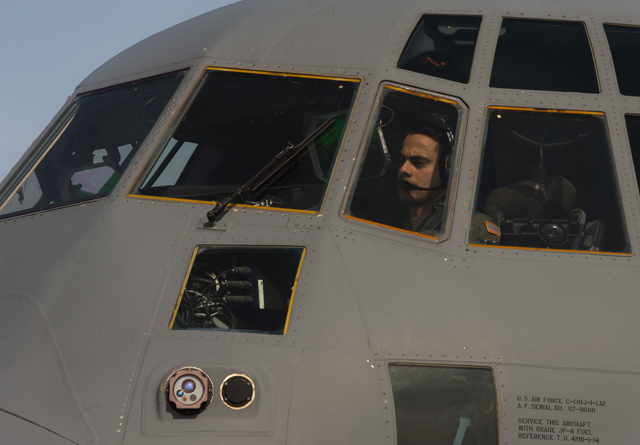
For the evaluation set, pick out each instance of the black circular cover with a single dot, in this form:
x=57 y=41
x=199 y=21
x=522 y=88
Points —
x=237 y=391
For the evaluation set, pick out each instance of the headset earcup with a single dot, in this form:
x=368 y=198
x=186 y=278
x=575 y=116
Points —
x=445 y=163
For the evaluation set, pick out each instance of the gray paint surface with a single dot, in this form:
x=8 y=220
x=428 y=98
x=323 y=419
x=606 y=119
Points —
x=106 y=274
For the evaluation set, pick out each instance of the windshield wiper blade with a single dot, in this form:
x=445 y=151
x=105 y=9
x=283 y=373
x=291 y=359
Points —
x=273 y=167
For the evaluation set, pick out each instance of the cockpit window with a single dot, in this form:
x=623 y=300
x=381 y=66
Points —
x=548 y=181
x=237 y=123
x=624 y=42
x=90 y=147
x=444 y=405
x=442 y=46
x=633 y=130
x=235 y=288
x=404 y=177
x=544 y=55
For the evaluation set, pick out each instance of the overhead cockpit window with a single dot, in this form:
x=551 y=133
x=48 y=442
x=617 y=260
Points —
x=237 y=123
x=247 y=289
x=548 y=181
x=633 y=130
x=544 y=55
x=624 y=42
x=442 y=46
x=405 y=176
x=88 y=150
x=444 y=405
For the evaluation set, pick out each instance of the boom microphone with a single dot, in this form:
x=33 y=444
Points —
x=406 y=185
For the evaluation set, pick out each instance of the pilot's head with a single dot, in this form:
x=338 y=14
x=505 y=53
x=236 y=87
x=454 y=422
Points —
x=423 y=160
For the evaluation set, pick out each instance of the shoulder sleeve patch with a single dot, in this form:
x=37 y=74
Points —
x=493 y=228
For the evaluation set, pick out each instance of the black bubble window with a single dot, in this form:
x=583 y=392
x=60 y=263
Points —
x=395 y=165
x=247 y=289
x=548 y=181
x=442 y=46
x=544 y=55
x=624 y=42
x=89 y=149
x=443 y=405
x=237 y=123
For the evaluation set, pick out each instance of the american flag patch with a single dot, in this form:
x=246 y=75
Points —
x=493 y=228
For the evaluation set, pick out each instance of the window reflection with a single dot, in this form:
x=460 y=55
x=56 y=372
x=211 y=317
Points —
x=444 y=405
x=547 y=179
x=237 y=123
x=89 y=149
x=624 y=42
x=442 y=46
x=544 y=55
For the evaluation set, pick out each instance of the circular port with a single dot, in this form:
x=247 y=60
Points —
x=188 y=391
x=237 y=391
x=188 y=385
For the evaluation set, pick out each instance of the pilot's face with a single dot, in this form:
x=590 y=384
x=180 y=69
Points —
x=419 y=166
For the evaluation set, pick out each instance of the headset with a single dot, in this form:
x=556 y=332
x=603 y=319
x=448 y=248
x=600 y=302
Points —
x=437 y=123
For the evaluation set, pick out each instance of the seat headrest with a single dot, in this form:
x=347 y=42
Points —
x=529 y=200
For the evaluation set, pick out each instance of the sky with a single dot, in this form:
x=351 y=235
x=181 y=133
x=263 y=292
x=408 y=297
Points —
x=47 y=47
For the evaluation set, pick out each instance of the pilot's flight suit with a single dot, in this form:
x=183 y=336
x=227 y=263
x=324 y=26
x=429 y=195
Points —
x=484 y=230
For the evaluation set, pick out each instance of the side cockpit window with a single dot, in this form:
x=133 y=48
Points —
x=548 y=181
x=442 y=46
x=237 y=123
x=404 y=177
x=544 y=55
x=89 y=148
x=444 y=405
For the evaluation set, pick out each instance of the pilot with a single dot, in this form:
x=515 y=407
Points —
x=423 y=178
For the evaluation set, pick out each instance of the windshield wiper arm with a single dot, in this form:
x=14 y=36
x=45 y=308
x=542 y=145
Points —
x=273 y=167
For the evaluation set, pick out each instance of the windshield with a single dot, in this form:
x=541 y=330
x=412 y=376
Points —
x=237 y=123
x=404 y=177
x=90 y=147
x=548 y=181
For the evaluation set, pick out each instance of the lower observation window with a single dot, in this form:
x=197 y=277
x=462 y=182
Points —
x=443 y=405
x=239 y=288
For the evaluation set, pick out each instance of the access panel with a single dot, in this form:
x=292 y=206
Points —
x=246 y=289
